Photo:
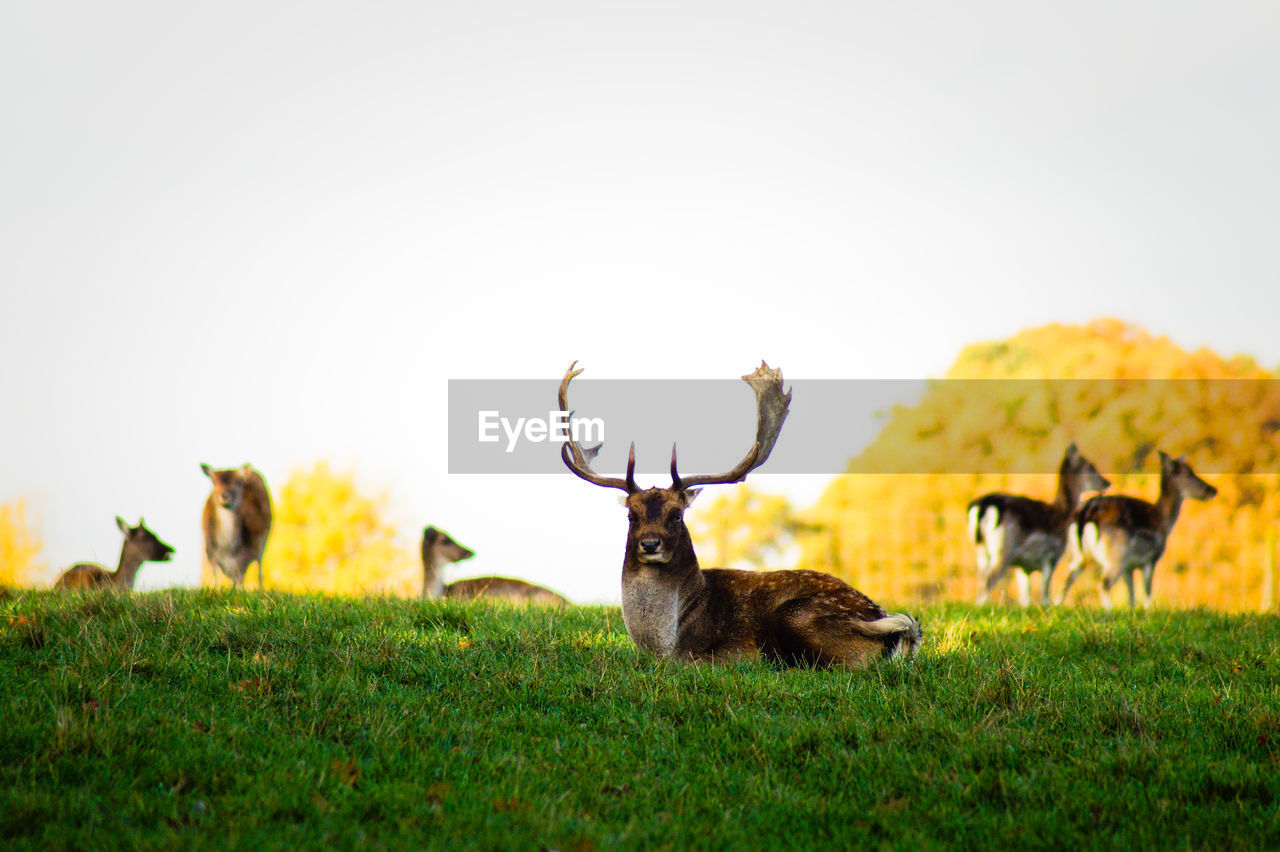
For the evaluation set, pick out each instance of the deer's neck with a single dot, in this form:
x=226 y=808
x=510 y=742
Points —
x=1069 y=491
x=1169 y=504
x=127 y=568
x=656 y=595
x=432 y=577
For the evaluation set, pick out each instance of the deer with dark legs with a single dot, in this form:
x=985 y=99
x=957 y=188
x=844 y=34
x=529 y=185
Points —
x=1121 y=534
x=439 y=549
x=675 y=608
x=1011 y=531
x=237 y=521
x=140 y=545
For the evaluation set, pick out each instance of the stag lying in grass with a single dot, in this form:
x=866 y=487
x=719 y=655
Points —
x=1011 y=531
x=1121 y=534
x=675 y=608
x=439 y=549
x=140 y=545
x=237 y=521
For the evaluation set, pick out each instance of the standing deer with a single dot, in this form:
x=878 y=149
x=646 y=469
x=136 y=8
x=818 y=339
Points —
x=1122 y=534
x=439 y=549
x=140 y=545
x=674 y=608
x=237 y=521
x=1011 y=531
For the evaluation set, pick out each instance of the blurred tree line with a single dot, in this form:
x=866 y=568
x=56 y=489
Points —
x=20 y=547
x=896 y=525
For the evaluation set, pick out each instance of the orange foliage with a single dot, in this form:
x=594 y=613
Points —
x=904 y=535
x=19 y=547
x=330 y=537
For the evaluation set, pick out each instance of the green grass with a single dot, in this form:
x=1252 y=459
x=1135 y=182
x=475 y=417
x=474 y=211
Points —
x=238 y=720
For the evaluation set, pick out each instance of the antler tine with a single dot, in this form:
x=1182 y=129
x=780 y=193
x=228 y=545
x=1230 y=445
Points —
x=772 y=406
x=578 y=459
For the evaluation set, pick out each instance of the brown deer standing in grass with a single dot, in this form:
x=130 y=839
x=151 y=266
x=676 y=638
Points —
x=1012 y=531
x=439 y=549
x=675 y=608
x=1122 y=534
x=237 y=521
x=140 y=545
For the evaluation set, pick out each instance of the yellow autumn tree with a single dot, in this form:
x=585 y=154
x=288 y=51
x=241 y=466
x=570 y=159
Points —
x=743 y=528
x=20 y=546
x=328 y=536
x=897 y=525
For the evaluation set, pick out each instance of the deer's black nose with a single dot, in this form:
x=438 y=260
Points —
x=650 y=545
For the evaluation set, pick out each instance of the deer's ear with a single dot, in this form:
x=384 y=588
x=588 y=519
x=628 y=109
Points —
x=622 y=501
x=122 y=524
x=689 y=494
x=206 y=470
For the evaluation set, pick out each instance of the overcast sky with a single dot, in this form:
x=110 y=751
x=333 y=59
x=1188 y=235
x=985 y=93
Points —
x=271 y=232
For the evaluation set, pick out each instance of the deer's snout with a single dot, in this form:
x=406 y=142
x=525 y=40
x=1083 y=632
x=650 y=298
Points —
x=650 y=544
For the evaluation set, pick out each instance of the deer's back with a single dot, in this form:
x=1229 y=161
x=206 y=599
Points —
x=1026 y=513
x=84 y=575
x=506 y=588
x=780 y=589
x=1119 y=512
x=743 y=611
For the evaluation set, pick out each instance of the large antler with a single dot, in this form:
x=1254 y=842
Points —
x=578 y=459
x=771 y=410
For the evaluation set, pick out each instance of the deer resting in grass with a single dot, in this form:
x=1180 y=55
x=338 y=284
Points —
x=439 y=549
x=140 y=545
x=237 y=521
x=675 y=608
x=1011 y=531
x=1122 y=534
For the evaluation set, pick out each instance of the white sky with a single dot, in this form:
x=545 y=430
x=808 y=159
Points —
x=271 y=232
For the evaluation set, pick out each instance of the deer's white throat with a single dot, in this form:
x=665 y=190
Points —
x=651 y=610
x=226 y=525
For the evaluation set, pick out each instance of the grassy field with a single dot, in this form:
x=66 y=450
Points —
x=237 y=720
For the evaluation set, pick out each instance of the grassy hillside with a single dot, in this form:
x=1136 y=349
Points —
x=232 y=720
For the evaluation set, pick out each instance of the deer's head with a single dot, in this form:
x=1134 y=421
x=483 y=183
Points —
x=228 y=485
x=1076 y=466
x=144 y=542
x=1179 y=477
x=439 y=548
x=656 y=533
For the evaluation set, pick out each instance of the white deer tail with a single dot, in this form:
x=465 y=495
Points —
x=901 y=632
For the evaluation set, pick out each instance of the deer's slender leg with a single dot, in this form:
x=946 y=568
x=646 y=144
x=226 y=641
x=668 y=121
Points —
x=1148 y=573
x=1128 y=581
x=1104 y=588
x=1046 y=578
x=1024 y=587
x=992 y=580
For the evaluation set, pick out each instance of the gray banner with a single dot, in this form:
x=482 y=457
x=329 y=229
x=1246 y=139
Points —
x=513 y=426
